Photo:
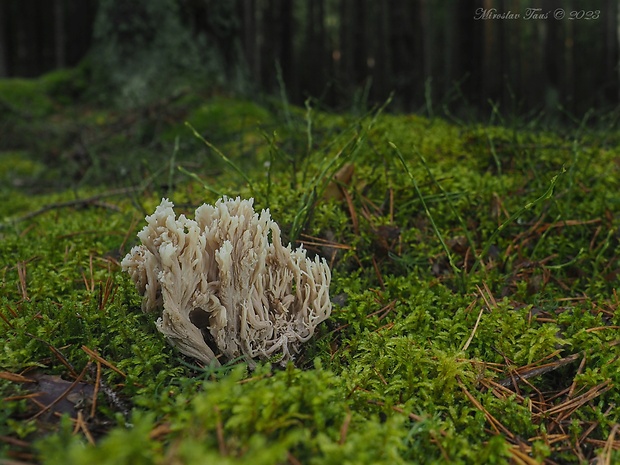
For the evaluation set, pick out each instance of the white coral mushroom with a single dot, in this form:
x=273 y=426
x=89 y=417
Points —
x=224 y=289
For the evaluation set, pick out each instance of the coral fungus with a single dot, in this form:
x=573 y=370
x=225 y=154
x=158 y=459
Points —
x=224 y=288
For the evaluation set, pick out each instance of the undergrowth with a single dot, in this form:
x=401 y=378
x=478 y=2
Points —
x=474 y=285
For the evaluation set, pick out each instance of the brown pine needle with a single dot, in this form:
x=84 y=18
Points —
x=81 y=424
x=93 y=407
x=344 y=428
x=15 y=378
x=292 y=459
x=100 y=359
x=159 y=431
x=604 y=457
x=526 y=372
x=521 y=458
x=568 y=407
x=14 y=442
x=488 y=298
x=352 y=212
x=495 y=423
x=473 y=332
x=320 y=242
x=219 y=431
x=378 y=273
x=21 y=273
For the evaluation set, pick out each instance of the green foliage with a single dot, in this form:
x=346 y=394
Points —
x=66 y=448
x=474 y=280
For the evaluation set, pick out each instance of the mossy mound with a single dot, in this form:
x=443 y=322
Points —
x=474 y=286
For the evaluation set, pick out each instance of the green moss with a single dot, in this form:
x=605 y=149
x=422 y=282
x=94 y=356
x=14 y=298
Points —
x=68 y=86
x=471 y=301
x=17 y=167
x=25 y=96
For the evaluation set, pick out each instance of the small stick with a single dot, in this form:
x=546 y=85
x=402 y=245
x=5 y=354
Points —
x=473 y=332
x=219 y=430
x=344 y=428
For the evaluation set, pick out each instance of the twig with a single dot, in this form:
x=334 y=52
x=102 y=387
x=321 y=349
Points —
x=495 y=423
x=219 y=430
x=80 y=424
x=344 y=428
x=89 y=201
x=524 y=373
x=93 y=407
x=604 y=457
x=292 y=459
x=568 y=407
x=473 y=332
x=537 y=371
x=100 y=359
x=61 y=358
x=521 y=458
x=21 y=273
x=571 y=390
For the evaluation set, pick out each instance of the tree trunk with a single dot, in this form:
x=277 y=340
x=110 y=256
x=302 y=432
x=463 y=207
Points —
x=618 y=49
x=286 y=55
x=251 y=50
x=569 y=63
x=4 y=65
x=59 y=34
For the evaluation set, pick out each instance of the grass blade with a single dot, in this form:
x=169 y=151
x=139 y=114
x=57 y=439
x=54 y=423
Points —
x=226 y=160
x=455 y=268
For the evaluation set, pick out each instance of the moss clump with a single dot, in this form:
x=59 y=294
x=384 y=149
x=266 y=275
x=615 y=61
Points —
x=26 y=97
x=474 y=286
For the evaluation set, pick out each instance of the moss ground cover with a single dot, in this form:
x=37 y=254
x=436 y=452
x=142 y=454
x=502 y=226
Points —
x=475 y=279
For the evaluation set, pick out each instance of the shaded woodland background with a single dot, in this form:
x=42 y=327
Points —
x=431 y=54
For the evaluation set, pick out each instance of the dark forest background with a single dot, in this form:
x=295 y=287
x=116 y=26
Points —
x=430 y=54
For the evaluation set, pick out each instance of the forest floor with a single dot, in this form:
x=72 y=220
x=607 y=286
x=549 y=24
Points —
x=474 y=285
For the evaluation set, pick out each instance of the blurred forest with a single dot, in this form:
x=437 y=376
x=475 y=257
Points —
x=432 y=54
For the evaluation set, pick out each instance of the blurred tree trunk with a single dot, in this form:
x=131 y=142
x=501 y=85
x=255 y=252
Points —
x=404 y=45
x=353 y=44
x=468 y=52
x=613 y=49
x=568 y=93
x=4 y=66
x=59 y=34
x=554 y=59
x=450 y=66
x=490 y=73
x=79 y=17
x=342 y=56
x=427 y=39
x=251 y=38
x=269 y=44
x=382 y=53
x=358 y=44
x=286 y=55
x=618 y=48
x=23 y=60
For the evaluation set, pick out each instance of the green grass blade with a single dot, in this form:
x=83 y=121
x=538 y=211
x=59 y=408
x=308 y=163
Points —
x=226 y=160
x=195 y=177
x=455 y=268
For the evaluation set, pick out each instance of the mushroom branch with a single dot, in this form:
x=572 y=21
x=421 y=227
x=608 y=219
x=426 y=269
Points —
x=224 y=289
